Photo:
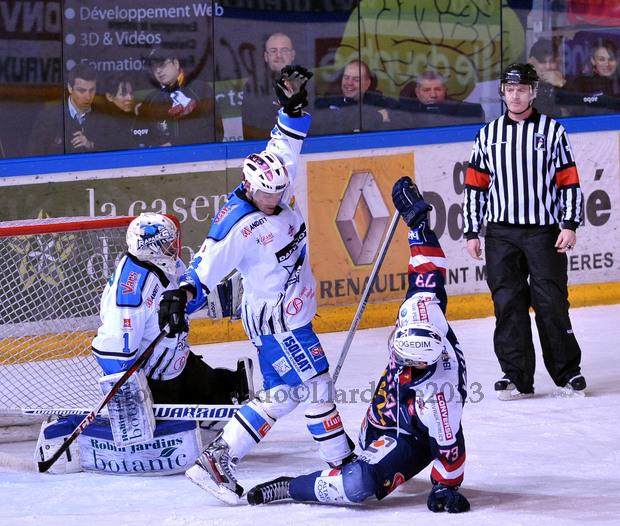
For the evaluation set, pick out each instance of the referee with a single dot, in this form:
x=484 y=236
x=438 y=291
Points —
x=523 y=182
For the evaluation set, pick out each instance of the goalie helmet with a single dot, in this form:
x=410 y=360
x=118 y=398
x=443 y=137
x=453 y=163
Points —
x=154 y=238
x=417 y=343
x=264 y=171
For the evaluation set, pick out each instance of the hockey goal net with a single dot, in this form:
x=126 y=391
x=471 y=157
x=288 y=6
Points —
x=52 y=274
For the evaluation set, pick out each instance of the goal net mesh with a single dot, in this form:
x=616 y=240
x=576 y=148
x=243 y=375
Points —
x=52 y=274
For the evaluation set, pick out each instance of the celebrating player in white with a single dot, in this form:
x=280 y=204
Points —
x=414 y=418
x=261 y=232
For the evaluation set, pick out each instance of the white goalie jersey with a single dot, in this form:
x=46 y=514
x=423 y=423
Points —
x=129 y=315
x=269 y=251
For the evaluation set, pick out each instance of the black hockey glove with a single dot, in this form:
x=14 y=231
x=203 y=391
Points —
x=290 y=89
x=172 y=311
x=409 y=203
x=444 y=498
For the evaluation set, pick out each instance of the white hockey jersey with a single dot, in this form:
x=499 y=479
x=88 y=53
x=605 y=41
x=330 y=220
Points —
x=269 y=251
x=129 y=316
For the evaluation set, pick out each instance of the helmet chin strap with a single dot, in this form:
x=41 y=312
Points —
x=526 y=109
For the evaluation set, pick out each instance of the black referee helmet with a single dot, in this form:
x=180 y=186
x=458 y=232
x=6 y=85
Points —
x=519 y=74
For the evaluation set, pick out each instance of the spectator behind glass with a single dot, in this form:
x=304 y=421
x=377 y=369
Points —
x=431 y=105
x=118 y=113
x=259 y=106
x=543 y=57
x=341 y=113
x=180 y=111
x=431 y=88
x=598 y=91
x=82 y=125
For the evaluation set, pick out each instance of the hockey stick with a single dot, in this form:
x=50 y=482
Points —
x=162 y=411
x=44 y=465
x=364 y=300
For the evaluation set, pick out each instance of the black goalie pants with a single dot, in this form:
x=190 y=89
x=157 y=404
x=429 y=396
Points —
x=199 y=383
x=514 y=253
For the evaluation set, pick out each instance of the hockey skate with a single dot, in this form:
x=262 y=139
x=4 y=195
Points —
x=506 y=390
x=576 y=386
x=271 y=491
x=214 y=472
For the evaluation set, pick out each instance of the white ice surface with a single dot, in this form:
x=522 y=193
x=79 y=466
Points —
x=544 y=460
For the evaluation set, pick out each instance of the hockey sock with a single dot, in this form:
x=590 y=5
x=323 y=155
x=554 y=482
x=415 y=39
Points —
x=247 y=428
x=325 y=426
x=320 y=486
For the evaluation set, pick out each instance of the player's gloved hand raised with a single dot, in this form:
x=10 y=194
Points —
x=290 y=89
x=445 y=498
x=409 y=202
x=172 y=311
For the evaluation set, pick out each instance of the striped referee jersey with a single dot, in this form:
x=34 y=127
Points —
x=522 y=173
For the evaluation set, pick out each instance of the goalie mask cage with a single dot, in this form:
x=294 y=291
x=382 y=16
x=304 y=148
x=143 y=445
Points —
x=53 y=272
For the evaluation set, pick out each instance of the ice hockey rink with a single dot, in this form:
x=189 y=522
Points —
x=546 y=460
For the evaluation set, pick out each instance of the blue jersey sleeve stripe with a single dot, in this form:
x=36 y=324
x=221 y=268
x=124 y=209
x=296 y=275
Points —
x=294 y=126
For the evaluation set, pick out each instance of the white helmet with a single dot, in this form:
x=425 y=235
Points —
x=417 y=343
x=154 y=238
x=265 y=172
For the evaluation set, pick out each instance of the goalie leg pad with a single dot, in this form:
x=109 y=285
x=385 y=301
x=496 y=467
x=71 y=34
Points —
x=173 y=449
x=51 y=437
x=131 y=410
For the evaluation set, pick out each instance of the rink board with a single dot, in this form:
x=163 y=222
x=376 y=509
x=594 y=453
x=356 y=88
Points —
x=343 y=188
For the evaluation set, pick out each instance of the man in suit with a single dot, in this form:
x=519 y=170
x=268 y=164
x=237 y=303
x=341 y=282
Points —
x=81 y=125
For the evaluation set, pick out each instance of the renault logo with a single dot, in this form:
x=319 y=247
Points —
x=362 y=246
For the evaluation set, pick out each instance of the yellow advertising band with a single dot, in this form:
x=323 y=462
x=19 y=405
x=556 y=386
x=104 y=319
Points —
x=333 y=319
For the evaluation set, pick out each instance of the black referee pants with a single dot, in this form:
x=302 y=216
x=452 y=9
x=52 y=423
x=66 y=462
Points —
x=512 y=254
